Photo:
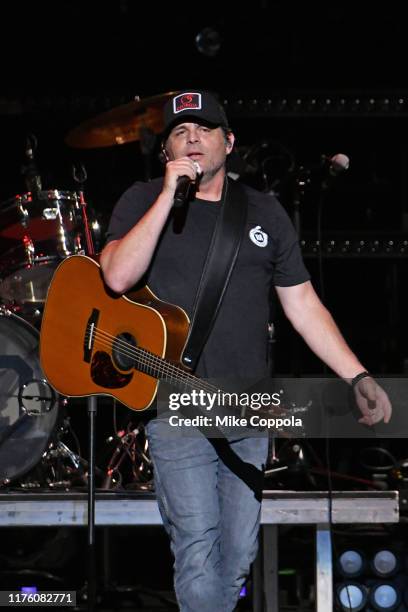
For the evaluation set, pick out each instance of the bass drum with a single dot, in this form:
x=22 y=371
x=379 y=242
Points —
x=28 y=404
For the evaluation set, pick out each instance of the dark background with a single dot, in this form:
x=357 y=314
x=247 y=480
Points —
x=298 y=80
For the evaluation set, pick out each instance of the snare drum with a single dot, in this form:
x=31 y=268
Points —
x=36 y=232
x=28 y=404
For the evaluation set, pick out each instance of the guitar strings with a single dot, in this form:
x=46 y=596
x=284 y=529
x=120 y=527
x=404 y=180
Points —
x=142 y=356
x=152 y=361
x=146 y=359
x=157 y=364
x=149 y=360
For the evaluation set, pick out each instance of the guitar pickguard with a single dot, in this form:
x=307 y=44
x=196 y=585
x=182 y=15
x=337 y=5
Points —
x=104 y=374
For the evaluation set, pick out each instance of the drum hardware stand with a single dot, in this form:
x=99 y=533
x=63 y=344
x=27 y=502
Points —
x=302 y=179
x=271 y=346
x=127 y=446
x=91 y=586
x=119 y=454
x=29 y=171
x=80 y=176
x=64 y=476
x=273 y=459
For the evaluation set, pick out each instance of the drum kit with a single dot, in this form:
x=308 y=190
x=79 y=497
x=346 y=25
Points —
x=38 y=229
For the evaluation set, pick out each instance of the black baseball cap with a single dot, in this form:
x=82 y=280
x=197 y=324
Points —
x=196 y=105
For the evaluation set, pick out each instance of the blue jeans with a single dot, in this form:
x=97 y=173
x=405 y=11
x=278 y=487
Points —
x=210 y=511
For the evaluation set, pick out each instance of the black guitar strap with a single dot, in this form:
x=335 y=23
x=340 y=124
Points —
x=222 y=255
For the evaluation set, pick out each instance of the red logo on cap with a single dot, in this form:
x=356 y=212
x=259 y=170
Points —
x=186 y=101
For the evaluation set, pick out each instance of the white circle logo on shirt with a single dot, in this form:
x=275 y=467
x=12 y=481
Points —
x=258 y=236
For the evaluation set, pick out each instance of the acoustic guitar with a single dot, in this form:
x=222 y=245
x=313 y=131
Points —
x=96 y=342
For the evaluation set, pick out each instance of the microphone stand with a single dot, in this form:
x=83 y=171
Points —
x=91 y=586
x=32 y=179
x=79 y=175
x=301 y=181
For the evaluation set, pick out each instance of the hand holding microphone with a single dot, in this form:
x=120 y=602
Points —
x=185 y=172
x=184 y=184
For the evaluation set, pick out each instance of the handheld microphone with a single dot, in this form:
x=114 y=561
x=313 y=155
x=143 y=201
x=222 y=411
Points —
x=182 y=190
x=184 y=184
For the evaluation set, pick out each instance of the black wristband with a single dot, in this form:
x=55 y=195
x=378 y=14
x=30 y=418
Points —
x=358 y=377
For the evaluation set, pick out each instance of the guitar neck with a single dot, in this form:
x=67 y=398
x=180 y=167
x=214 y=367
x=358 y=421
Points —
x=166 y=371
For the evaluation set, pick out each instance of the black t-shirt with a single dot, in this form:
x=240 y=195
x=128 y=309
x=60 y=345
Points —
x=269 y=253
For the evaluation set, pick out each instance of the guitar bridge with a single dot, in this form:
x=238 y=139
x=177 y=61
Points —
x=90 y=335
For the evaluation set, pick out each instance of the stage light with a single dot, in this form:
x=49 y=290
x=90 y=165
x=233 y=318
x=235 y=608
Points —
x=352 y=596
x=385 y=563
x=385 y=596
x=350 y=563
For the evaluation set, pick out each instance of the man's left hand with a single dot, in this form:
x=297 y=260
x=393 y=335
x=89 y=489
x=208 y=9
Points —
x=372 y=401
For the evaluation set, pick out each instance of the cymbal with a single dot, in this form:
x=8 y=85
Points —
x=121 y=124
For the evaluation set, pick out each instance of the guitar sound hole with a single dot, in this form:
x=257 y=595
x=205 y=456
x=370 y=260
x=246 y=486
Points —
x=122 y=351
